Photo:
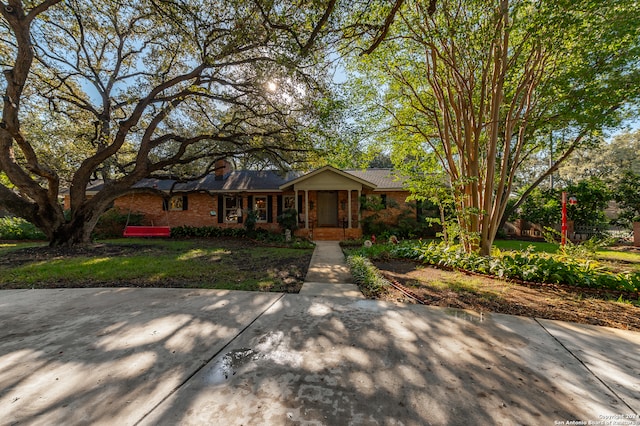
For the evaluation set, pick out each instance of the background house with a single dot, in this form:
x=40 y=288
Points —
x=328 y=200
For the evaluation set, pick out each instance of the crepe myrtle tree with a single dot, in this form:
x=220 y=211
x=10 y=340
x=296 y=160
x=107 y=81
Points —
x=151 y=87
x=477 y=85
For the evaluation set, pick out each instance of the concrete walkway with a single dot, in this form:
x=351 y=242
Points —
x=328 y=274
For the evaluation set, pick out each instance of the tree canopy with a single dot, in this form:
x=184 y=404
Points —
x=482 y=86
x=119 y=91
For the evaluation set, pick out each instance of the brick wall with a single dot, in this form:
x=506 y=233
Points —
x=198 y=213
x=201 y=205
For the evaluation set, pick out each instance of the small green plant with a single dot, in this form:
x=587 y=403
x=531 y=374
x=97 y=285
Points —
x=526 y=265
x=250 y=222
x=288 y=220
x=585 y=250
x=368 y=278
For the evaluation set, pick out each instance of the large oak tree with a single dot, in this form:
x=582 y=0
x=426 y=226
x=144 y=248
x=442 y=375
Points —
x=119 y=91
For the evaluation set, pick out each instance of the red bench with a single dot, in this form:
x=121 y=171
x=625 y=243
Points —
x=147 y=231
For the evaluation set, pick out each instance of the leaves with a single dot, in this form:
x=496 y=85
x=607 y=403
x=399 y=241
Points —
x=526 y=265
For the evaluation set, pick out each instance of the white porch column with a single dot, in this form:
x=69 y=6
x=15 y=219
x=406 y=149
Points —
x=349 y=209
x=306 y=209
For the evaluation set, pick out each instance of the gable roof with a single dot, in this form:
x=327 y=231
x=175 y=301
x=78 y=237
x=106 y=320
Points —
x=326 y=169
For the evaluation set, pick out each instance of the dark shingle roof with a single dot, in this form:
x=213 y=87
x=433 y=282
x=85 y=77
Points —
x=381 y=178
x=244 y=180
x=253 y=180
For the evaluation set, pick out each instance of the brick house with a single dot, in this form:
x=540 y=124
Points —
x=327 y=199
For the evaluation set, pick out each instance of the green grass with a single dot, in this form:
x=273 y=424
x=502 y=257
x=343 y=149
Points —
x=185 y=263
x=514 y=245
x=618 y=256
x=601 y=254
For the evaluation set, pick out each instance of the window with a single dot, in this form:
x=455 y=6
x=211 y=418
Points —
x=260 y=207
x=289 y=202
x=232 y=209
x=175 y=203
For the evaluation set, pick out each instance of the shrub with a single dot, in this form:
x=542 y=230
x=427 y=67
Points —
x=16 y=228
x=250 y=222
x=207 y=232
x=525 y=265
x=368 y=278
x=112 y=223
x=288 y=220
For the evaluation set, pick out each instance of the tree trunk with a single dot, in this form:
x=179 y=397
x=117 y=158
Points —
x=78 y=229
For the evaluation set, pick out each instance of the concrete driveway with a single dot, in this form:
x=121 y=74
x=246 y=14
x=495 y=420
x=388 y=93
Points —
x=195 y=357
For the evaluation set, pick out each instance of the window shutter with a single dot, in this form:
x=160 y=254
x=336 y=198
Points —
x=250 y=206
x=220 y=209
x=384 y=200
x=418 y=210
x=270 y=208
x=185 y=202
x=300 y=205
x=279 y=206
x=240 y=215
x=165 y=204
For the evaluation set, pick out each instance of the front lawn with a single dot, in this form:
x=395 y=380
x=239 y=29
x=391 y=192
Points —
x=236 y=264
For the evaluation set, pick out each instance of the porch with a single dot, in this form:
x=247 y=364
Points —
x=328 y=203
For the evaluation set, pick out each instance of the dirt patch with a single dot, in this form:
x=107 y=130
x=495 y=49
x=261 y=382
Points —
x=481 y=294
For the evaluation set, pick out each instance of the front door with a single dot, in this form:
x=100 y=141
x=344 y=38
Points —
x=328 y=208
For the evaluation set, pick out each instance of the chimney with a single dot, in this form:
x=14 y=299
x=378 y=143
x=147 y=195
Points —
x=223 y=167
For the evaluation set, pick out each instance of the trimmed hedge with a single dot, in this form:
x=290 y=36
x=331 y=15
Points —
x=207 y=232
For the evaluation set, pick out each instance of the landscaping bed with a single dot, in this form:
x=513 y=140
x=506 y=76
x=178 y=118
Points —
x=455 y=289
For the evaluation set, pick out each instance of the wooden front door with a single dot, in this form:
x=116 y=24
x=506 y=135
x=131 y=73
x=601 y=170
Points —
x=328 y=208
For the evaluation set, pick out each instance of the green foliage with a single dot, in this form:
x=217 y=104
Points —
x=250 y=222
x=367 y=276
x=525 y=265
x=288 y=220
x=259 y=234
x=207 y=232
x=15 y=228
x=570 y=68
x=593 y=197
x=542 y=207
x=112 y=223
x=627 y=195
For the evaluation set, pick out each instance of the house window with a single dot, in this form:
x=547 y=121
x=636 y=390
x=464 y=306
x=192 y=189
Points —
x=289 y=202
x=175 y=203
x=232 y=209
x=260 y=207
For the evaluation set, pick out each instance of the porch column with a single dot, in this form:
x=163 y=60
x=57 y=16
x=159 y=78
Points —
x=359 y=209
x=306 y=209
x=349 y=209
